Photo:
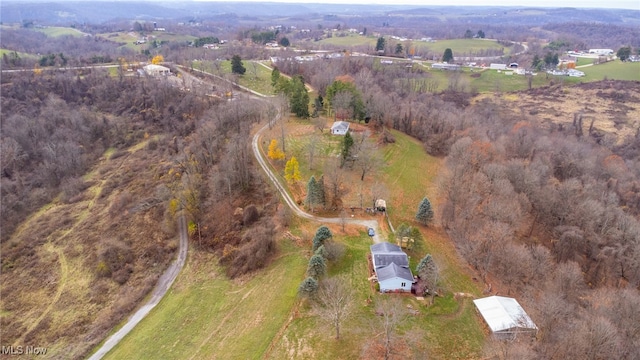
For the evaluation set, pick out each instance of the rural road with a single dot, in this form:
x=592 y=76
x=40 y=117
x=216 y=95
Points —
x=292 y=204
x=163 y=285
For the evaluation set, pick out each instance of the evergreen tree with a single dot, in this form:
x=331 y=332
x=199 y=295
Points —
x=448 y=55
x=285 y=42
x=536 y=63
x=399 y=49
x=299 y=97
x=292 y=170
x=236 y=65
x=312 y=192
x=380 y=44
x=322 y=251
x=468 y=34
x=317 y=267
x=425 y=212
x=322 y=234
x=481 y=34
x=347 y=143
x=308 y=287
x=275 y=76
x=624 y=53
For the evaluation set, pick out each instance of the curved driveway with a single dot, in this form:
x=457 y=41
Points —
x=292 y=204
x=163 y=285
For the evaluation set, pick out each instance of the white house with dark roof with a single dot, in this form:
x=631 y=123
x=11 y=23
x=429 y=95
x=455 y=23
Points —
x=340 y=128
x=391 y=266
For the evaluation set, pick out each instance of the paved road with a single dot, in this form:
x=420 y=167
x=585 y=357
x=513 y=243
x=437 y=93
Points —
x=164 y=283
x=292 y=204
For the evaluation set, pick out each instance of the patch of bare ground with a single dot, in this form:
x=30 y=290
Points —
x=611 y=108
x=79 y=266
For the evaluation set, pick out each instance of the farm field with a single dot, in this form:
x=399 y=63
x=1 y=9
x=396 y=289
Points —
x=56 y=31
x=613 y=70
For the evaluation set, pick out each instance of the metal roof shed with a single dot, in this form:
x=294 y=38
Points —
x=505 y=317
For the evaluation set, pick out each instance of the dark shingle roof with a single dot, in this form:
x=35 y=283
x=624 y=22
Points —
x=385 y=248
x=381 y=260
x=392 y=270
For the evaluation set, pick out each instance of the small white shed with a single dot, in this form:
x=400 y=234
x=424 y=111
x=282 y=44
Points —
x=394 y=278
x=340 y=128
x=505 y=317
x=156 y=70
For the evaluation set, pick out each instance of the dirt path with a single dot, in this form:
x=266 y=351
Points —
x=163 y=285
x=64 y=275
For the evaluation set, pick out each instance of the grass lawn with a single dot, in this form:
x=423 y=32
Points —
x=257 y=77
x=350 y=40
x=205 y=315
x=459 y=46
x=20 y=54
x=613 y=70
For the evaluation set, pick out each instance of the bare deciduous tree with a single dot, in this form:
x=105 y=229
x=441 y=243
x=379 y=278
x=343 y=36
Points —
x=334 y=302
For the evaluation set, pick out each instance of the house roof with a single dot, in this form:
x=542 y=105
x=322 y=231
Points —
x=385 y=248
x=340 y=125
x=392 y=270
x=381 y=203
x=381 y=260
x=503 y=313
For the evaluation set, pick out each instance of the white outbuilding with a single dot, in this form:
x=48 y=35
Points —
x=340 y=128
x=505 y=317
x=157 y=70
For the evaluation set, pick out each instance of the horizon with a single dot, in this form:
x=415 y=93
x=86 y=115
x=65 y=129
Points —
x=547 y=4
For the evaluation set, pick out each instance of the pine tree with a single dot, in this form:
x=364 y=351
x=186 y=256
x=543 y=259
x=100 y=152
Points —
x=425 y=212
x=447 y=56
x=236 y=65
x=275 y=76
x=308 y=287
x=312 y=192
x=274 y=151
x=292 y=170
x=347 y=143
x=322 y=234
x=317 y=267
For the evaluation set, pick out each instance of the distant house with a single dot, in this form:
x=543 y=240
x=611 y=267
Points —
x=505 y=317
x=156 y=70
x=513 y=65
x=340 y=128
x=498 y=66
x=601 y=51
x=391 y=266
x=445 y=66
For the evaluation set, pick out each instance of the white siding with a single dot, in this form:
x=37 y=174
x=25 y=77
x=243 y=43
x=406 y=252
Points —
x=395 y=283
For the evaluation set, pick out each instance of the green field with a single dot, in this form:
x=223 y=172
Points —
x=257 y=77
x=459 y=46
x=128 y=39
x=613 y=70
x=55 y=31
x=350 y=40
x=205 y=314
x=20 y=54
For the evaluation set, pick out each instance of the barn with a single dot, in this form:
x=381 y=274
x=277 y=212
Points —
x=505 y=317
x=157 y=70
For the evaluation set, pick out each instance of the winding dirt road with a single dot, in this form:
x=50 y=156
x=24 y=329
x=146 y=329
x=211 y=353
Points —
x=163 y=285
x=292 y=204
